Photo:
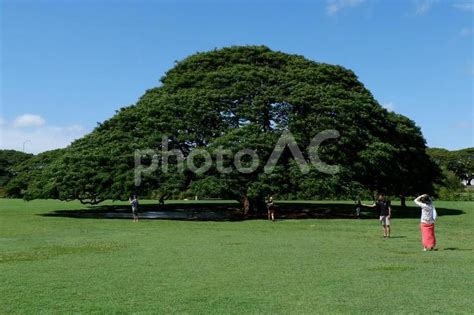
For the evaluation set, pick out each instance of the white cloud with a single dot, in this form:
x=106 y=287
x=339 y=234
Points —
x=389 y=106
x=423 y=6
x=465 y=6
x=39 y=139
x=28 y=120
x=334 y=6
x=2 y=121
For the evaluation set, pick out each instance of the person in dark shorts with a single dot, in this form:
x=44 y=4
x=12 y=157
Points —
x=134 y=202
x=270 y=208
x=385 y=212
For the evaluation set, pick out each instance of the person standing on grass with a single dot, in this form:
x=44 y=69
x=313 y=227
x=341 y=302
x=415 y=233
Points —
x=428 y=217
x=358 y=208
x=134 y=202
x=270 y=208
x=385 y=213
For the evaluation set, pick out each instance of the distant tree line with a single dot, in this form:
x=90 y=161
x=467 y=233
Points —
x=457 y=170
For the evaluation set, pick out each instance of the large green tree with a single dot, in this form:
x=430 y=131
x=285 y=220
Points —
x=240 y=98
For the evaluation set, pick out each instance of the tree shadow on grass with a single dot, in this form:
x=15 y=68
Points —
x=232 y=212
x=456 y=248
x=185 y=211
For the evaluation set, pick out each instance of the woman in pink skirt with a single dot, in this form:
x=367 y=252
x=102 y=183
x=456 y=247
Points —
x=428 y=217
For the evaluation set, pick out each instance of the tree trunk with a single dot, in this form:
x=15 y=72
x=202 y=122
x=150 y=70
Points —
x=163 y=197
x=246 y=205
x=403 y=201
x=252 y=205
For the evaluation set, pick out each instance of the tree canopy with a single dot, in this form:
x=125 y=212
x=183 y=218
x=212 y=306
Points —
x=8 y=159
x=239 y=98
x=30 y=179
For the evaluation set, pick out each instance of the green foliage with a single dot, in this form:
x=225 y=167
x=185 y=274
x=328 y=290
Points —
x=450 y=188
x=8 y=160
x=456 y=166
x=244 y=98
x=31 y=178
x=460 y=162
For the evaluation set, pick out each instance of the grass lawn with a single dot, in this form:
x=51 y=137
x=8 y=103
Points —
x=60 y=264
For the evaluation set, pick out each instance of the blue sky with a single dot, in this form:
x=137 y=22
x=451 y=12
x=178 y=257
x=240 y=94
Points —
x=66 y=65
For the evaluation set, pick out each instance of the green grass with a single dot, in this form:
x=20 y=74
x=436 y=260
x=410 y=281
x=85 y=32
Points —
x=60 y=264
